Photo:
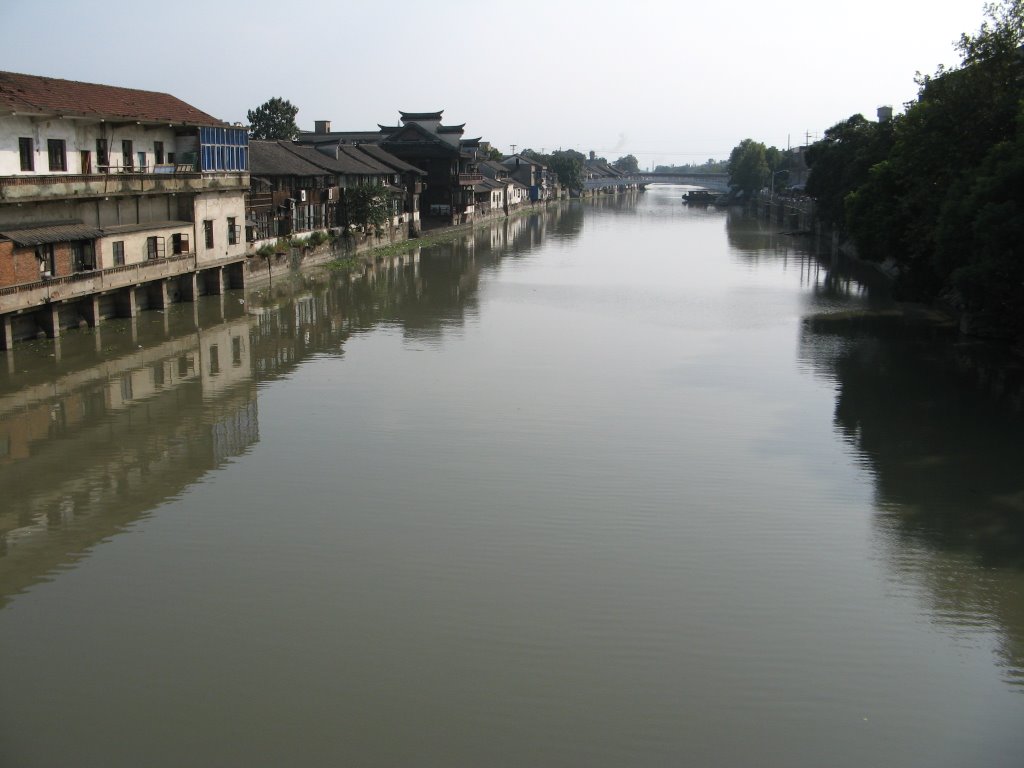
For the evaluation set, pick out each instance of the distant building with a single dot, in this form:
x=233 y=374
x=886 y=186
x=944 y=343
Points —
x=449 y=161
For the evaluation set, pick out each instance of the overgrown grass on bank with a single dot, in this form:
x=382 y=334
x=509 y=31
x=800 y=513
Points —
x=445 y=235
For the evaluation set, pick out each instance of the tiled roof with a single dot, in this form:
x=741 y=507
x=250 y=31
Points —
x=383 y=156
x=56 y=232
x=421 y=115
x=353 y=153
x=510 y=160
x=347 y=137
x=274 y=158
x=35 y=95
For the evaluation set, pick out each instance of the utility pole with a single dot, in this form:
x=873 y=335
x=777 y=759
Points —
x=513 y=148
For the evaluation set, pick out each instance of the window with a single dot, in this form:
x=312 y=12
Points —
x=232 y=231
x=142 y=162
x=28 y=154
x=126 y=154
x=158 y=152
x=179 y=243
x=86 y=157
x=58 y=157
x=208 y=233
x=170 y=158
x=47 y=263
x=82 y=256
x=102 y=155
x=224 y=149
x=154 y=248
x=118 y=247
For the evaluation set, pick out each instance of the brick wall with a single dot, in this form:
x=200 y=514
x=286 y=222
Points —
x=17 y=265
x=62 y=259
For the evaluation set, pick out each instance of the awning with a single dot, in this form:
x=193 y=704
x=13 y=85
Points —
x=61 y=232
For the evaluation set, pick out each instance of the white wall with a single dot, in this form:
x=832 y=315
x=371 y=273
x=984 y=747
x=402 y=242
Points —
x=218 y=207
x=135 y=244
x=78 y=135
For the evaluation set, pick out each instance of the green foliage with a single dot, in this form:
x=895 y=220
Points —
x=273 y=119
x=748 y=166
x=568 y=166
x=840 y=163
x=317 y=238
x=940 y=190
x=266 y=250
x=366 y=206
x=980 y=236
x=493 y=154
x=627 y=164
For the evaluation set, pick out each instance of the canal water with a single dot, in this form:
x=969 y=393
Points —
x=622 y=484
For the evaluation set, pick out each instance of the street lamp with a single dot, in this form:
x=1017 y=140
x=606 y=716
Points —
x=773 y=181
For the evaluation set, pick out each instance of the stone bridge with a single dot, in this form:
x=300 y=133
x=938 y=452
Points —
x=715 y=182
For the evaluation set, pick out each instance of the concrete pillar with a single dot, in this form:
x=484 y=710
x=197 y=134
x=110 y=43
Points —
x=127 y=306
x=97 y=338
x=95 y=319
x=6 y=333
x=135 y=331
x=162 y=295
x=56 y=349
x=53 y=319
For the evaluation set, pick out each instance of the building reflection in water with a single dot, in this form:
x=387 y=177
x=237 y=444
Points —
x=100 y=429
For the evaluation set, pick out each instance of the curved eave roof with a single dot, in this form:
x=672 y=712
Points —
x=421 y=115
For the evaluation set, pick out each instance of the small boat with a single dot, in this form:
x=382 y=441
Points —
x=699 y=197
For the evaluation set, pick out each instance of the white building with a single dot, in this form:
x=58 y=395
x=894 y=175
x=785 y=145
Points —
x=112 y=199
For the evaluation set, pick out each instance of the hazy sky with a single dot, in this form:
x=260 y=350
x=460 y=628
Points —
x=667 y=81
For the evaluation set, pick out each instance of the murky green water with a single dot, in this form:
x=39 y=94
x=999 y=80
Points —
x=582 y=490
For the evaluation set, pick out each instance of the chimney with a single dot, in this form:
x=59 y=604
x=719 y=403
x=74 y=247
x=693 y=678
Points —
x=884 y=114
x=322 y=126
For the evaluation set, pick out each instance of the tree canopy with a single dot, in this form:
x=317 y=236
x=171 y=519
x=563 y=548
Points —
x=748 y=166
x=627 y=164
x=273 y=119
x=567 y=164
x=939 y=191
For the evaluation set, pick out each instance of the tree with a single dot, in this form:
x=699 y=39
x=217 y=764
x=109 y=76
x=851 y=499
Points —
x=493 y=153
x=568 y=166
x=627 y=164
x=366 y=206
x=840 y=164
x=273 y=119
x=943 y=196
x=748 y=168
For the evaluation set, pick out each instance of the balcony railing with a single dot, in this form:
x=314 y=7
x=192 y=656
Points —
x=469 y=179
x=30 y=187
x=80 y=284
